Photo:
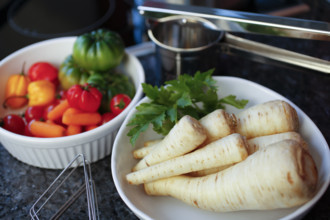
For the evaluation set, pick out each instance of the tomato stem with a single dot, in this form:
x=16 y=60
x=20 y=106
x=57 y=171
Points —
x=22 y=71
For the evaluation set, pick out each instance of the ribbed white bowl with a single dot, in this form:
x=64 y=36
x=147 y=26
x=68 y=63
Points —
x=56 y=153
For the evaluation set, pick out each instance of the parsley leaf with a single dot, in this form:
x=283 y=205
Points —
x=188 y=95
x=231 y=100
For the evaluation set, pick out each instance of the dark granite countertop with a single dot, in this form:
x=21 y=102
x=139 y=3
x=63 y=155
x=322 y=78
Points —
x=21 y=184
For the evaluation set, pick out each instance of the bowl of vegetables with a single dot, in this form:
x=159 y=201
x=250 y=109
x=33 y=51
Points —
x=59 y=99
x=267 y=160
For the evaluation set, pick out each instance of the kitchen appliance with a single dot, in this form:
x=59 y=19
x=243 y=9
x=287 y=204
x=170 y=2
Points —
x=168 y=32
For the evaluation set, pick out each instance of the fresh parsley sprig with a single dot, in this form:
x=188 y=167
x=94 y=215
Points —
x=188 y=95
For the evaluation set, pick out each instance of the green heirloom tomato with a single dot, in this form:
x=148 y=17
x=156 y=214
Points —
x=71 y=74
x=110 y=84
x=99 y=50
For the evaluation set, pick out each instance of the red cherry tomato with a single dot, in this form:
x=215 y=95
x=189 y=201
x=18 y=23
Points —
x=48 y=109
x=84 y=97
x=34 y=112
x=14 y=123
x=27 y=131
x=108 y=116
x=62 y=94
x=43 y=71
x=119 y=102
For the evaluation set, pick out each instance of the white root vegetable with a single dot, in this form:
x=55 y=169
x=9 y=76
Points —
x=257 y=143
x=151 y=142
x=280 y=176
x=267 y=118
x=254 y=144
x=209 y=171
x=143 y=151
x=184 y=137
x=224 y=151
x=217 y=124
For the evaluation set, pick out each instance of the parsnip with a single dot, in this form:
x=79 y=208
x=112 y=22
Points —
x=228 y=150
x=184 y=137
x=209 y=171
x=151 y=142
x=217 y=124
x=257 y=143
x=143 y=151
x=280 y=176
x=267 y=118
x=147 y=147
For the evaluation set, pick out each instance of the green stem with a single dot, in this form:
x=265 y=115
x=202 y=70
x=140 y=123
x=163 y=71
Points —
x=22 y=71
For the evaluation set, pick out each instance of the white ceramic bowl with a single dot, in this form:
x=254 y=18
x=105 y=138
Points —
x=151 y=207
x=56 y=153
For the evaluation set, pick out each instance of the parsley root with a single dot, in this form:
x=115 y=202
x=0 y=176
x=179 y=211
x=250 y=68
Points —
x=217 y=124
x=228 y=150
x=258 y=143
x=184 y=137
x=267 y=118
x=147 y=147
x=280 y=176
x=151 y=142
x=210 y=170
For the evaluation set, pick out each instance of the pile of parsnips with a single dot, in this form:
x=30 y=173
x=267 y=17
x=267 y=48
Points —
x=254 y=160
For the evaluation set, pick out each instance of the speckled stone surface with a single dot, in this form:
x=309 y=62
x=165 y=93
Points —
x=21 y=184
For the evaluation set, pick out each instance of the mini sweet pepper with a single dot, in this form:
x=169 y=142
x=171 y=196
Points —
x=16 y=89
x=41 y=92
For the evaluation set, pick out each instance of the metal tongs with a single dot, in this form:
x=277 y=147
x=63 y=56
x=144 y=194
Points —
x=229 y=21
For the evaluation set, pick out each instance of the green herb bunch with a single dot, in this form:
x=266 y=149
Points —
x=188 y=95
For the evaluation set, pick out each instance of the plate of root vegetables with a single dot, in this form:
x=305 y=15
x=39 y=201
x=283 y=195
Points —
x=266 y=161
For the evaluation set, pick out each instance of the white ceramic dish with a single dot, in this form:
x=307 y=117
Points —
x=147 y=207
x=56 y=153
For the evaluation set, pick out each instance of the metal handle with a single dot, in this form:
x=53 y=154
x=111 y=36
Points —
x=236 y=21
x=234 y=45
